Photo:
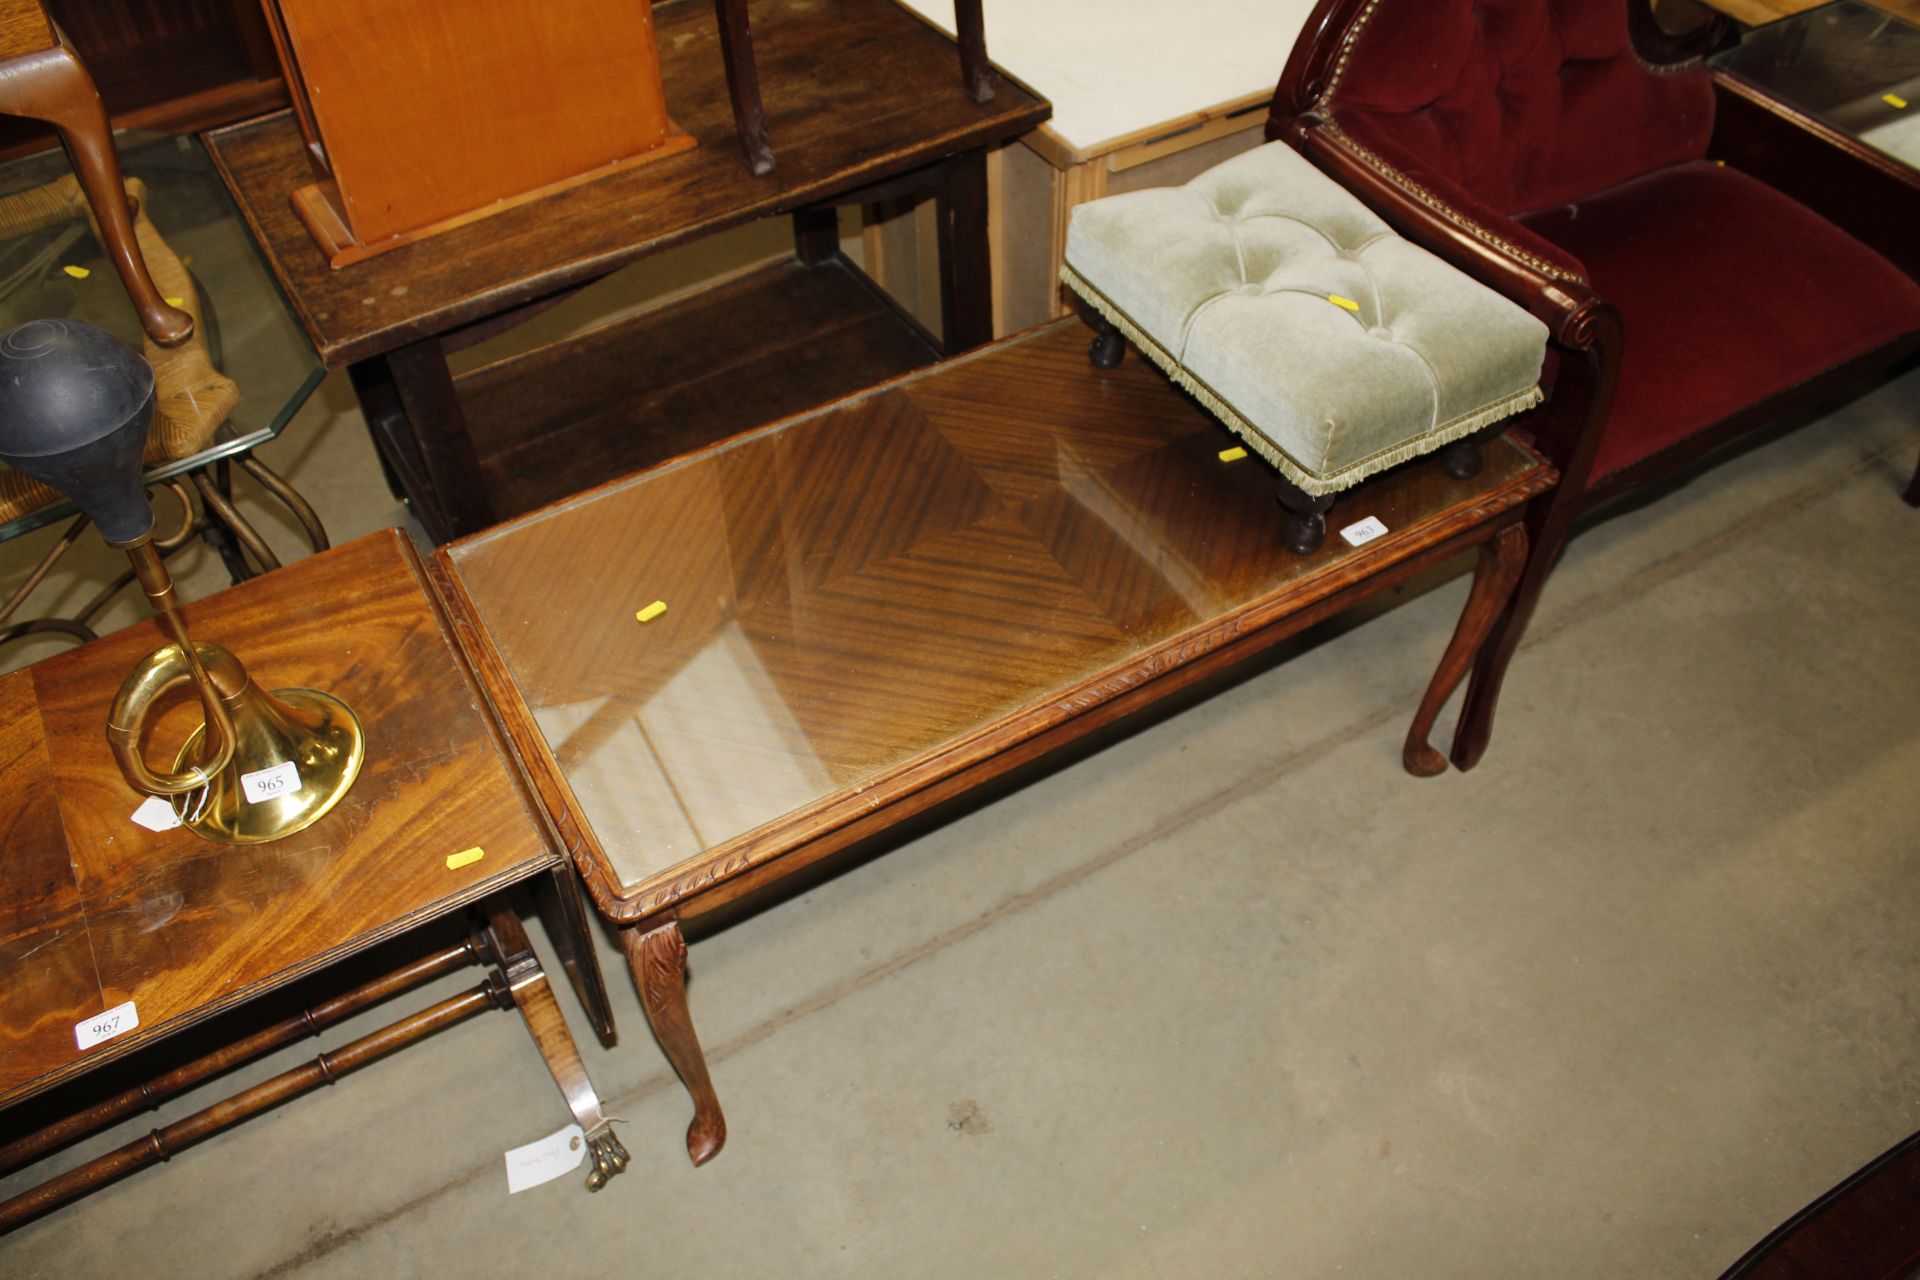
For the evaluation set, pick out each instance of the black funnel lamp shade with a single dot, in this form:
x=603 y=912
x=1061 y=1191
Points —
x=75 y=405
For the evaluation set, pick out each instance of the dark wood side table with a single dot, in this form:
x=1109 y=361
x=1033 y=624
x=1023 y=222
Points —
x=863 y=102
x=102 y=919
x=872 y=608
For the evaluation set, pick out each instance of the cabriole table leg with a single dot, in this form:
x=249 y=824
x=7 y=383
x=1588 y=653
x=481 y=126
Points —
x=657 y=955
x=1494 y=575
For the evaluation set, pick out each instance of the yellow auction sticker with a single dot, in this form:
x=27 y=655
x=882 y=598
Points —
x=1345 y=304
x=652 y=611
x=465 y=858
x=1232 y=455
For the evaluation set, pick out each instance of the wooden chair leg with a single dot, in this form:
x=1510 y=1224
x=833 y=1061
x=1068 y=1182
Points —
x=1546 y=536
x=1494 y=577
x=657 y=955
x=52 y=86
x=743 y=84
x=970 y=30
x=527 y=983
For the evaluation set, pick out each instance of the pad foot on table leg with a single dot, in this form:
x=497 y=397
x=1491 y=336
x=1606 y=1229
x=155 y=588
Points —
x=657 y=956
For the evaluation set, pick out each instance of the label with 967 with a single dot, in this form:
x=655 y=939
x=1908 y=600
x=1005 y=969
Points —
x=103 y=1027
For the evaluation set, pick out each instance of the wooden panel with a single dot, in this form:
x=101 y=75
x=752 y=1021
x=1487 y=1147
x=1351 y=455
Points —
x=435 y=108
x=855 y=92
x=868 y=601
x=23 y=28
x=784 y=338
x=185 y=927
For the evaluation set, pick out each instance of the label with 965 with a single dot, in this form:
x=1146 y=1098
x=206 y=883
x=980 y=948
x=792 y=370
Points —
x=103 y=1027
x=270 y=783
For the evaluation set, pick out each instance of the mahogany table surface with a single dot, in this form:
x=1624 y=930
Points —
x=856 y=91
x=864 y=602
x=96 y=910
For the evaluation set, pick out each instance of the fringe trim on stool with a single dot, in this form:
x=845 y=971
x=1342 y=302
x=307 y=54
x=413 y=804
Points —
x=1310 y=482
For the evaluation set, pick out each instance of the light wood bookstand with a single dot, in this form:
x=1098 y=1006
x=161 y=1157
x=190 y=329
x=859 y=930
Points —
x=422 y=118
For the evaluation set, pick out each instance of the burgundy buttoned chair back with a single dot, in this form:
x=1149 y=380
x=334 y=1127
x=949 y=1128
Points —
x=1564 y=152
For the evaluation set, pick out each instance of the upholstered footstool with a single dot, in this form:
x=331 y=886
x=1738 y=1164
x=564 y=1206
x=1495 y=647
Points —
x=1331 y=346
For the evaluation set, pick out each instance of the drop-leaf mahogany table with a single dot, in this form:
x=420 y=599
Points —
x=872 y=608
x=123 y=936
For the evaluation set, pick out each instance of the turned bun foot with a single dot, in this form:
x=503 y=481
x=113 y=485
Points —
x=1107 y=349
x=1306 y=517
x=1461 y=459
x=1306 y=532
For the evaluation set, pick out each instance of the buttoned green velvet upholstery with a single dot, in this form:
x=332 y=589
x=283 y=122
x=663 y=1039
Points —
x=1331 y=345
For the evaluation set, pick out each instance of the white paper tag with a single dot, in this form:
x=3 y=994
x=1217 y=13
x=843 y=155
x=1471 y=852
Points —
x=103 y=1027
x=156 y=814
x=545 y=1160
x=265 y=784
x=1361 y=532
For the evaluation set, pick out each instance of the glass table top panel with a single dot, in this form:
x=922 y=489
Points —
x=1851 y=65
x=863 y=587
x=60 y=271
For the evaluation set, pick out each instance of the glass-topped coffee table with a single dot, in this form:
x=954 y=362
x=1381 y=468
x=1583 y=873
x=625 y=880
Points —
x=1848 y=64
x=235 y=385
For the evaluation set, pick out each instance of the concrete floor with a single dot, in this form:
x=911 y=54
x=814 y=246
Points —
x=1237 y=996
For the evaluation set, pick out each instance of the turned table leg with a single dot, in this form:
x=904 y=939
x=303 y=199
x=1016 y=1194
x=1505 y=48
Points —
x=1494 y=576
x=657 y=955
x=532 y=995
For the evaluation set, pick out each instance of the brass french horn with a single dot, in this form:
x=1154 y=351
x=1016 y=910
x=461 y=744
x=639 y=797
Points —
x=75 y=406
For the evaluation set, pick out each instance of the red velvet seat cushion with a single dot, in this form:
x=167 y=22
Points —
x=1730 y=293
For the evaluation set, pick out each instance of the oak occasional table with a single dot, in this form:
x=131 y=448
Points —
x=874 y=607
x=122 y=936
x=863 y=105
